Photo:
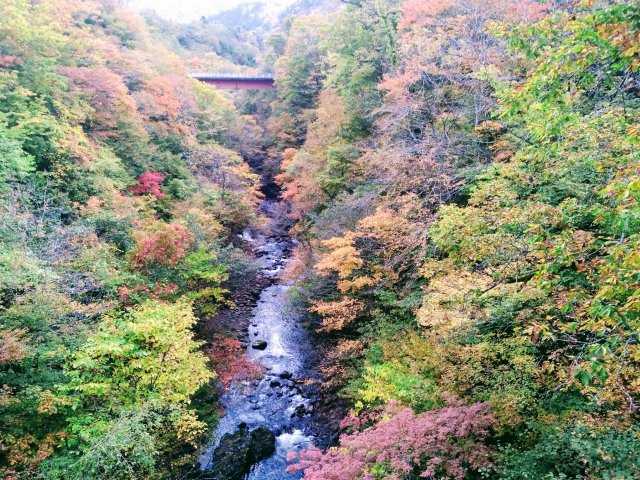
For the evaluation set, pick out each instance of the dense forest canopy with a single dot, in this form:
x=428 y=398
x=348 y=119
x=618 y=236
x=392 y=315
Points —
x=462 y=178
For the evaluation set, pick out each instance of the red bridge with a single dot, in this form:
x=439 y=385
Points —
x=236 y=82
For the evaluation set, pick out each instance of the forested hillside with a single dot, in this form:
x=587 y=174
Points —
x=462 y=178
x=121 y=187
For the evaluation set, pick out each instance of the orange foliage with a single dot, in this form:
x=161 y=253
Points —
x=161 y=101
x=107 y=95
x=339 y=314
x=301 y=168
x=427 y=26
x=419 y=13
x=342 y=257
x=626 y=39
x=288 y=156
x=437 y=101
x=394 y=234
x=13 y=346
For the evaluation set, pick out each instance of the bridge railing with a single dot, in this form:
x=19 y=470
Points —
x=230 y=76
x=232 y=81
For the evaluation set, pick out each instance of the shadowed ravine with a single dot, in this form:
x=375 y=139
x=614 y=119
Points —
x=276 y=400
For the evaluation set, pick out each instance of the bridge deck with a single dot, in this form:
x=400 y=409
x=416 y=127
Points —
x=236 y=82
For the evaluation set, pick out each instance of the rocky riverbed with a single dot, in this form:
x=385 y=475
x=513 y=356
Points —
x=267 y=417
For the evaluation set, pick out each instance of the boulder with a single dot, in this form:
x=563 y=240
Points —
x=263 y=444
x=239 y=451
x=259 y=345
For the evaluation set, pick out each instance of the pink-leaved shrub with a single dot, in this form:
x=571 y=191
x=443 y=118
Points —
x=445 y=444
x=149 y=183
x=161 y=244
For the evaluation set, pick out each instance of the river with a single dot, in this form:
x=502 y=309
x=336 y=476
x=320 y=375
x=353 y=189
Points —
x=276 y=400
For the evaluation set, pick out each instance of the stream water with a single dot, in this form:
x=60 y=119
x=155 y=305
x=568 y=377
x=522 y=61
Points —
x=276 y=400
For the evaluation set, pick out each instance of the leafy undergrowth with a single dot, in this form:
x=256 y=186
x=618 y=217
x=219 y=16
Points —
x=466 y=184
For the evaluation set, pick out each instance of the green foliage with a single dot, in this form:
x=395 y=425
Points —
x=203 y=278
x=126 y=450
x=16 y=163
x=575 y=452
x=362 y=49
x=391 y=381
x=490 y=148
x=513 y=227
x=301 y=73
x=138 y=444
x=402 y=369
x=333 y=178
x=148 y=353
x=552 y=230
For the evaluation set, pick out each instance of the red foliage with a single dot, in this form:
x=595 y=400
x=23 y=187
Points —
x=125 y=293
x=163 y=244
x=361 y=421
x=149 y=183
x=443 y=444
x=7 y=61
x=230 y=362
x=164 y=290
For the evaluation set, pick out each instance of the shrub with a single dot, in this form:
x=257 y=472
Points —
x=444 y=443
x=149 y=183
x=573 y=453
x=161 y=244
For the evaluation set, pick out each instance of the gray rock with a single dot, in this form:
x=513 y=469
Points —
x=238 y=451
x=259 y=345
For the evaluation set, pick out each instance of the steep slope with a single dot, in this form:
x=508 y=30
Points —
x=121 y=193
x=463 y=175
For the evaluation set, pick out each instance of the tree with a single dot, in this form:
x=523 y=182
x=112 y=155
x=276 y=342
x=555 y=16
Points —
x=149 y=183
x=146 y=353
x=300 y=74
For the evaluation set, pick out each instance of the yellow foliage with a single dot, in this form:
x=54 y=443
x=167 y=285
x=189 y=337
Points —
x=446 y=302
x=339 y=314
x=342 y=258
x=358 y=283
x=189 y=429
x=49 y=403
x=330 y=117
x=202 y=223
x=627 y=40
